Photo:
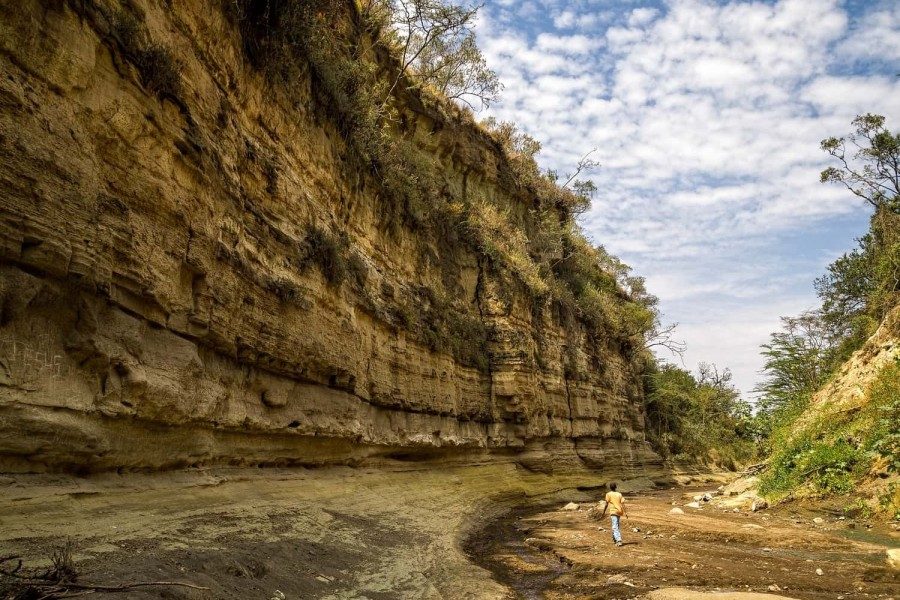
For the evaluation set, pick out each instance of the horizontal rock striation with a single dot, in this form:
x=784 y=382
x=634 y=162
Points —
x=196 y=275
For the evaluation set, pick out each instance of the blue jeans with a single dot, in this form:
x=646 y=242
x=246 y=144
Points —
x=617 y=535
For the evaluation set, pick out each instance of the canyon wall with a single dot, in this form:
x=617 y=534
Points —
x=200 y=278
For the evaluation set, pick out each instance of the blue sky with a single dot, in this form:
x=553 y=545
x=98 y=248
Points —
x=706 y=117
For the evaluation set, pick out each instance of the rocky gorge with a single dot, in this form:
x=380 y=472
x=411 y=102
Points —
x=278 y=323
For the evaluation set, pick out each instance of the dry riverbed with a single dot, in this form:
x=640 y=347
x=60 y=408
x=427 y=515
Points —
x=389 y=532
x=554 y=553
x=425 y=531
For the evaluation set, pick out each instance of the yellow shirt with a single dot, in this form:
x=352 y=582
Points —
x=615 y=501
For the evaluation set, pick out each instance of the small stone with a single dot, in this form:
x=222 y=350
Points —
x=570 y=506
x=693 y=505
x=278 y=595
x=707 y=497
x=818 y=520
x=538 y=544
x=617 y=579
x=774 y=588
x=759 y=505
x=636 y=529
x=766 y=549
x=736 y=510
x=694 y=567
x=676 y=511
x=893 y=557
x=820 y=572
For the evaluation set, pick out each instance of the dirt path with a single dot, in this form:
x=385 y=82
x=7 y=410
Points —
x=554 y=554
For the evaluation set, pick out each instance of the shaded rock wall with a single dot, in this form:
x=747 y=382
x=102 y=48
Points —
x=156 y=308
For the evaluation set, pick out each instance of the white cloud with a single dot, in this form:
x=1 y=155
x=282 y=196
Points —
x=567 y=44
x=642 y=16
x=874 y=37
x=707 y=118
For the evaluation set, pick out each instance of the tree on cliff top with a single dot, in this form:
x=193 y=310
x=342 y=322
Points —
x=435 y=43
x=862 y=285
x=869 y=162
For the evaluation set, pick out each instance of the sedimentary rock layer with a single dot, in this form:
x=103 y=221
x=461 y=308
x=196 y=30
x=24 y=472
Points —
x=156 y=308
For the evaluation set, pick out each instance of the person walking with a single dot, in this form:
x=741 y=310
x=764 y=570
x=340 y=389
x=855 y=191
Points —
x=615 y=502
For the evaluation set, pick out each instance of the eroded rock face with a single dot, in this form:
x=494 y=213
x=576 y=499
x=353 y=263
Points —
x=156 y=309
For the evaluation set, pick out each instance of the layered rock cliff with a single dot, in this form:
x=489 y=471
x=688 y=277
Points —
x=192 y=271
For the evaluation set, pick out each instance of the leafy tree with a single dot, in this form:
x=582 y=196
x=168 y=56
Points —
x=435 y=42
x=869 y=162
x=797 y=360
x=583 y=188
x=862 y=285
x=698 y=418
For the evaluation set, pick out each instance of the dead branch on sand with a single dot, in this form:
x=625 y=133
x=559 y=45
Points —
x=60 y=580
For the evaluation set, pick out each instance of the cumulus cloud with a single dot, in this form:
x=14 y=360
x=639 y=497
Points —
x=706 y=117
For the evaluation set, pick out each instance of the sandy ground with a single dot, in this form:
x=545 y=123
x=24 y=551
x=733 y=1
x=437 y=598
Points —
x=553 y=553
x=327 y=533
x=427 y=531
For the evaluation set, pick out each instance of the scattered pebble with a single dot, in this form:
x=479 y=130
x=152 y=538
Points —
x=818 y=520
x=676 y=511
x=693 y=505
x=570 y=506
x=819 y=572
x=774 y=588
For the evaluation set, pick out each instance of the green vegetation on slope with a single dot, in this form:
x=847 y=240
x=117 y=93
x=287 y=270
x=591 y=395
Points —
x=831 y=451
x=837 y=448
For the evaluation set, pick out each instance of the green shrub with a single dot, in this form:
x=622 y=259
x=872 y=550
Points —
x=889 y=501
x=285 y=290
x=884 y=435
x=327 y=252
x=160 y=72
